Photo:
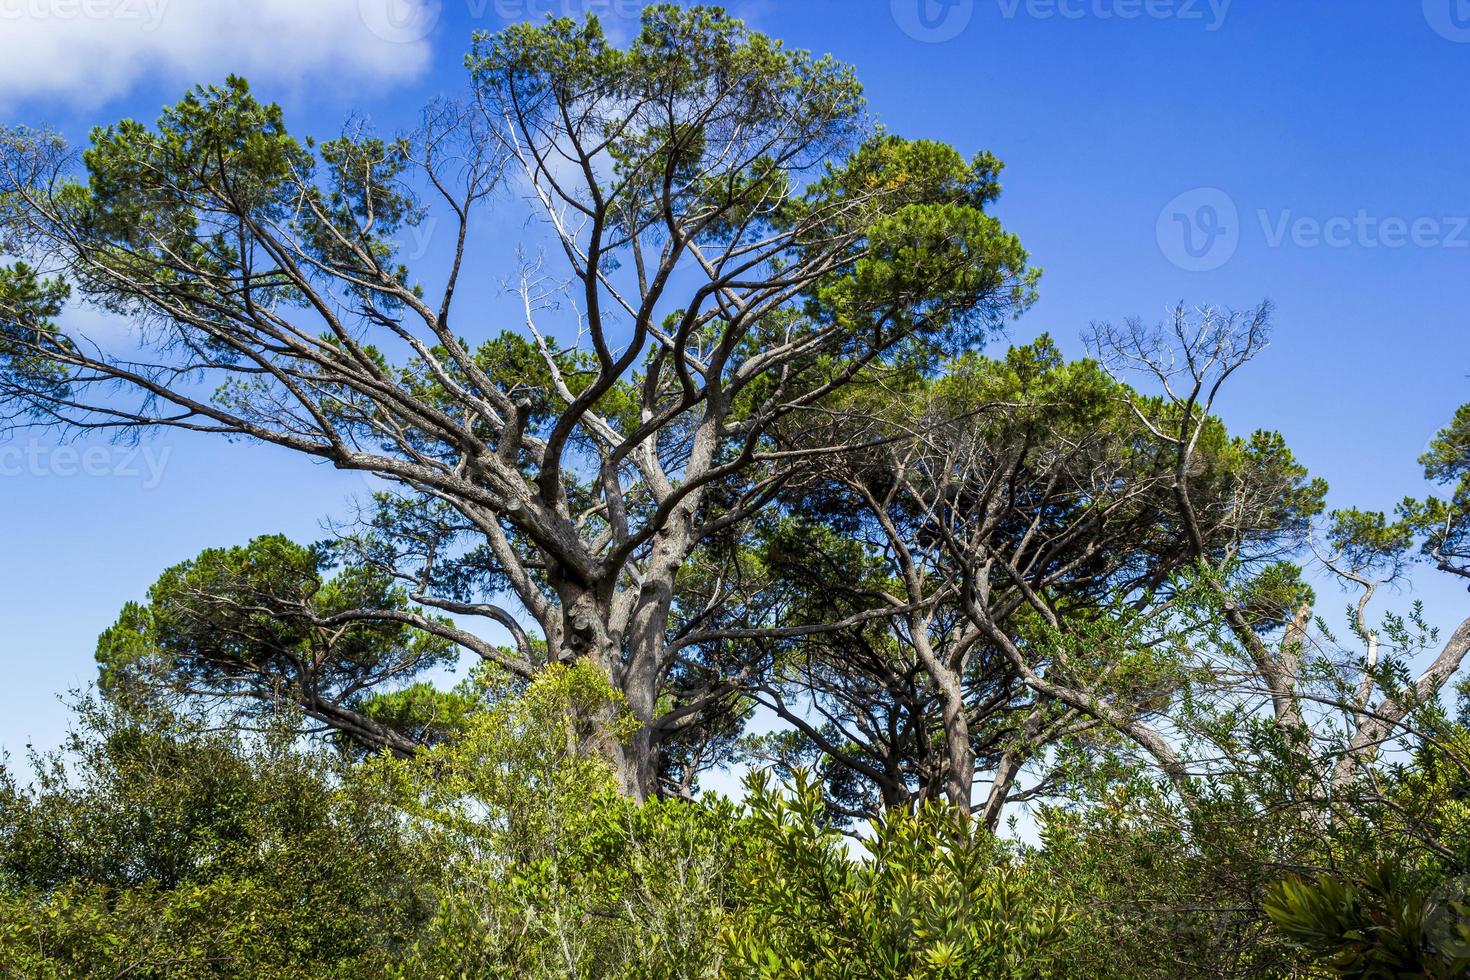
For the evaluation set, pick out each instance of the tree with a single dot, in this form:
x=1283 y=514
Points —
x=732 y=244
x=1253 y=615
x=1294 y=753
x=1018 y=521
x=259 y=627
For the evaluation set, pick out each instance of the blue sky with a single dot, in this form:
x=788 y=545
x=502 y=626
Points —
x=1313 y=152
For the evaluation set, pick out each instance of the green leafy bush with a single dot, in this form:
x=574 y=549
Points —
x=929 y=899
x=1379 y=928
x=156 y=848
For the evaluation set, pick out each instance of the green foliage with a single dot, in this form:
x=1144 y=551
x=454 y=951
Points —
x=422 y=712
x=505 y=849
x=263 y=623
x=930 y=250
x=1274 y=595
x=1158 y=893
x=1377 y=929
x=156 y=848
x=543 y=867
x=931 y=899
x=29 y=306
x=1443 y=523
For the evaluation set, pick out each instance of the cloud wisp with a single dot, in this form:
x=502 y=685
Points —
x=85 y=52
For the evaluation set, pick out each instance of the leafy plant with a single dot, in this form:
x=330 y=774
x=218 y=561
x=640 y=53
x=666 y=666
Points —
x=1377 y=928
x=929 y=899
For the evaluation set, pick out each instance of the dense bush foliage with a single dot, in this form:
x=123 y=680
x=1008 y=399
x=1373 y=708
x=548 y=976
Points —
x=927 y=897
x=153 y=847
x=156 y=847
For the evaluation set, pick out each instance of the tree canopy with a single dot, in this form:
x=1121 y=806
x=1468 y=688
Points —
x=734 y=243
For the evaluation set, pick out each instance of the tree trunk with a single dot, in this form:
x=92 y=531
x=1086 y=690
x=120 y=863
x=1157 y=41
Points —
x=959 y=754
x=640 y=764
x=1015 y=755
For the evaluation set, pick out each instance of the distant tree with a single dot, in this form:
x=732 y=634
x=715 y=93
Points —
x=732 y=244
x=1018 y=519
x=1332 y=704
x=261 y=629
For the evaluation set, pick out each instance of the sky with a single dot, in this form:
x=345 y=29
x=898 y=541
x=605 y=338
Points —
x=1311 y=152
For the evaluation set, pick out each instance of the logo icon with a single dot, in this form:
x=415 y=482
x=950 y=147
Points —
x=932 y=21
x=1447 y=919
x=1449 y=18
x=1199 y=230
x=400 y=21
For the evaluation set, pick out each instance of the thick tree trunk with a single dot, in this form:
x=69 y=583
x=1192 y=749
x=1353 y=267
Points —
x=640 y=763
x=642 y=673
x=959 y=754
x=587 y=625
x=631 y=664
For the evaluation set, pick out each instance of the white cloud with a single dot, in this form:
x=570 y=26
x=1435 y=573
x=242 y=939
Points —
x=84 y=52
